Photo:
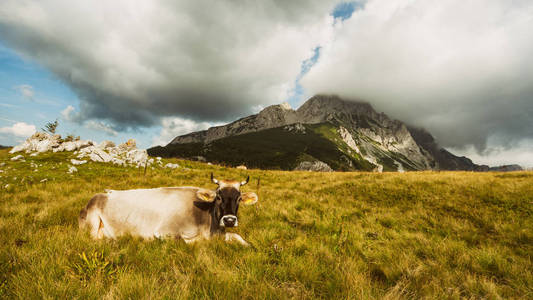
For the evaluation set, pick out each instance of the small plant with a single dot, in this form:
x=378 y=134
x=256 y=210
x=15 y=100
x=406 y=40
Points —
x=51 y=127
x=70 y=137
x=94 y=265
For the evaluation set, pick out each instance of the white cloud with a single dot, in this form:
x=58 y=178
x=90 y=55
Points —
x=173 y=127
x=69 y=114
x=100 y=126
x=461 y=69
x=19 y=129
x=25 y=90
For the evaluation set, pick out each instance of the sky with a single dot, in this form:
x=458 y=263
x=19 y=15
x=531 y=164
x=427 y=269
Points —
x=152 y=70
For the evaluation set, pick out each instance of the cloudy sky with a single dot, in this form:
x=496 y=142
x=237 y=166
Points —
x=152 y=70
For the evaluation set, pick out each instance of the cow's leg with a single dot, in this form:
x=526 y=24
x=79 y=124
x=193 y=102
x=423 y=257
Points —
x=230 y=236
x=93 y=221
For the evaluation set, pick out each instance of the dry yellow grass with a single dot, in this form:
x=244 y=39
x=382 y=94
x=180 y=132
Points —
x=314 y=235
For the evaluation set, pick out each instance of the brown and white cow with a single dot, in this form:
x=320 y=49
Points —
x=190 y=213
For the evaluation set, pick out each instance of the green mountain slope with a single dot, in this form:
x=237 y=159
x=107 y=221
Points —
x=282 y=148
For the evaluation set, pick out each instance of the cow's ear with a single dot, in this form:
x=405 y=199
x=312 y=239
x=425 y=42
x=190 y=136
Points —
x=203 y=205
x=205 y=195
x=249 y=198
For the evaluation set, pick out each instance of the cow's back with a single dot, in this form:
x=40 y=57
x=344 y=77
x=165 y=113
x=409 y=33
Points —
x=147 y=213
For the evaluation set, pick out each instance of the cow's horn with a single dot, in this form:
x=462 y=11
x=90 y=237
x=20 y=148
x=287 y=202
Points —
x=246 y=181
x=215 y=181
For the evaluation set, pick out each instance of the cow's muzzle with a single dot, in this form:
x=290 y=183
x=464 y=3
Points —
x=229 y=221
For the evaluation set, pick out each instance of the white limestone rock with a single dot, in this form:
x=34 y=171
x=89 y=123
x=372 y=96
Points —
x=18 y=157
x=316 y=166
x=77 y=162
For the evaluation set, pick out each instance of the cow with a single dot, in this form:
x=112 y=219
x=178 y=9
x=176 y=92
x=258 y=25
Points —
x=189 y=213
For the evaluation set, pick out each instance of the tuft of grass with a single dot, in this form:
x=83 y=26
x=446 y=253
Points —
x=353 y=235
x=95 y=265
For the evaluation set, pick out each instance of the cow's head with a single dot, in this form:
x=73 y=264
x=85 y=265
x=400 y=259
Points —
x=227 y=198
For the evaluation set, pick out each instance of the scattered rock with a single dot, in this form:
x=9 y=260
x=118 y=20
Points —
x=124 y=154
x=77 y=162
x=172 y=166
x=241 y=167
x=18 y=157
x=72 y=169
x=34 y=154
x=316 y=166
x=44 y=180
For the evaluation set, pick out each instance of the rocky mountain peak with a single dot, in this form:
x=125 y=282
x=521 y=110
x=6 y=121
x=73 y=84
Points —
x=373 y=137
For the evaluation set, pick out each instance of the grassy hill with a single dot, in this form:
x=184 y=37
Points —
x=338 y=235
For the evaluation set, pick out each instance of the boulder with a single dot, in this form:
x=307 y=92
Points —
x=77 y=162
x=316 y=166
x=18 y=157
x=44 y=146
x=69 y=146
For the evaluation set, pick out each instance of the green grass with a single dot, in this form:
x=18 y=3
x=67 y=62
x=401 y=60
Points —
x=352 y=235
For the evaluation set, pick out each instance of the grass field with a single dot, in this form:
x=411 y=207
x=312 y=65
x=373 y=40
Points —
x=314 y=235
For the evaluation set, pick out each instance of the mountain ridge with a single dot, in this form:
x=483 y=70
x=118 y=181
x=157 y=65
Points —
x=354 y=127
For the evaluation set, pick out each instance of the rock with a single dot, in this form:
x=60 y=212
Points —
x=117 y=161
x=18 y=157
x=19 y=148
x=99 y=155
x=316 y=166
x=106 y=144
x=198 y=158
x=72 y=169
x=43 y=146
x=77 y=162
x=34 y=154
x=95 y=157
x=172 y=166
x=2 y=164
x=60 y=148
x=82 y=144
x=69 y=146
x=241 y=167
x=137 y=156
x=44 y=180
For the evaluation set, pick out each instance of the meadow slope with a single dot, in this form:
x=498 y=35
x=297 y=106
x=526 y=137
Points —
x=347 y=235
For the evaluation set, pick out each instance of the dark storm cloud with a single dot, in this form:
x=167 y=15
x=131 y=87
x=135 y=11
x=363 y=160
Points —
x=134 y=62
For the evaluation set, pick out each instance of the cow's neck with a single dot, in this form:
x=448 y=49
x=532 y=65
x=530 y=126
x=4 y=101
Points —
x=215 y=227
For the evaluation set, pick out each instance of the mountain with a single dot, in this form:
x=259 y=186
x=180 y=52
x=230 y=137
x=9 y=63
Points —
x=345 y=135
x=506 y=168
